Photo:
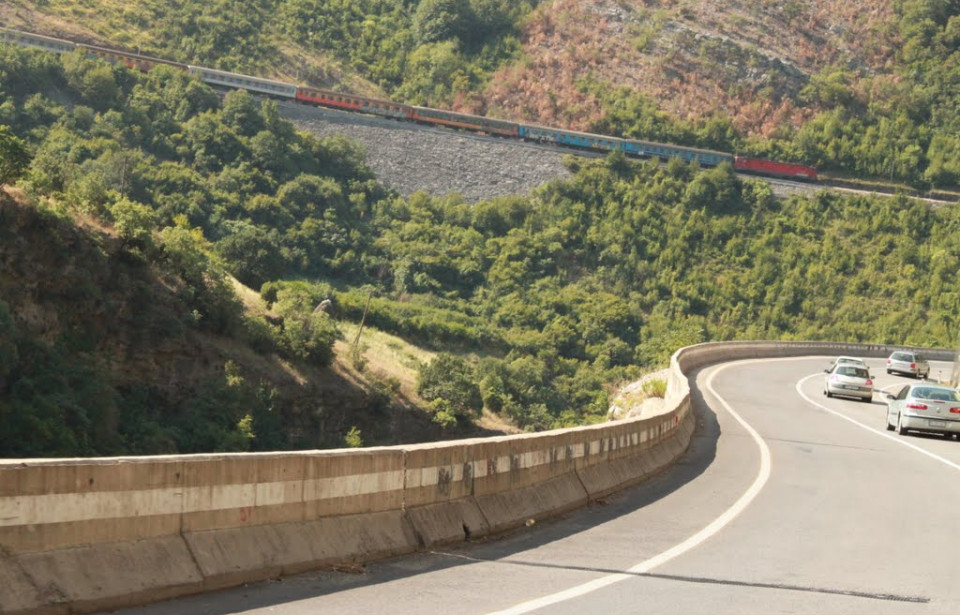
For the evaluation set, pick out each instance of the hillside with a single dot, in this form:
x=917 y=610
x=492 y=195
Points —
x=866 y=89
x=101 y=354
x=149 y=201
x=748 y=61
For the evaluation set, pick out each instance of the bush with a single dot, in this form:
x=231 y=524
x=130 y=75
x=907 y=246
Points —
x=655 y=388
x=450 y=379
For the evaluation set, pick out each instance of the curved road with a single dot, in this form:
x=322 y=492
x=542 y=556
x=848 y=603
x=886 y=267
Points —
x=787 y=502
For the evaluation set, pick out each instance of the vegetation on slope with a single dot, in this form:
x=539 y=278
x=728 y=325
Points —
x=534 y=304
x=866 y=89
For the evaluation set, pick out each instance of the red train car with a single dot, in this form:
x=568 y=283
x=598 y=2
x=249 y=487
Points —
x=352 y=102
x=475 y=123
x=776 y=169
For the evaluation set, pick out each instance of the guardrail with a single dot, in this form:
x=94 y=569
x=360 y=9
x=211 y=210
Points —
x=80 y=535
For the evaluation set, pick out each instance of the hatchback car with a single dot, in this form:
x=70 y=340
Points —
x=909 y=363
x=849 y=380
x=924 y=407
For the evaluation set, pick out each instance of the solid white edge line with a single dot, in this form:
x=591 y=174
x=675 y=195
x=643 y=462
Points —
x=882 y=433
x=690 y=543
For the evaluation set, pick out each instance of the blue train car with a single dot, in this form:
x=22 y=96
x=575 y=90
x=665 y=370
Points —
x=705 y=157
x=571 y=138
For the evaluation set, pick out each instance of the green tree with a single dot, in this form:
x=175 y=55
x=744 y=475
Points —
x=134 y=221
x=439 y=20
x=449 y=378
x=14 y=156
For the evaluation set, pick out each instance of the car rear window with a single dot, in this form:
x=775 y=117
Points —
x=852 y=370
x=902 y=356
x=936 y=394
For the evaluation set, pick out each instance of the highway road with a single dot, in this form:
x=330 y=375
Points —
x=786 y=502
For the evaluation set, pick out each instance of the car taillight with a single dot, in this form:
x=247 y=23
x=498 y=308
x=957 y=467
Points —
x=889 y=361
x=955 y=410
x=913 y=366
x=917 y=406
x=869 y=382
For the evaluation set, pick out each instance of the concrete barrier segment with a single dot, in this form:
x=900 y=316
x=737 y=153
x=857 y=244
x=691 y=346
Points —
x=18 y=594
x=510 y=509
x=241 y=555
x=54 y=504
x=448 y=522
x=601 y=480
x=441 y=472
x=352 y=482
x=109 y=576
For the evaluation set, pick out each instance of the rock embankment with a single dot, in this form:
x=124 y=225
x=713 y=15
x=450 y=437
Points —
x=408 y=158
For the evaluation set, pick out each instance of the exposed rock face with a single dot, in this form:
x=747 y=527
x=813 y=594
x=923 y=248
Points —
x=631 y=401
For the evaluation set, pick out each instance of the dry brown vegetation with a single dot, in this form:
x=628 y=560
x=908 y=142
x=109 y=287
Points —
x=744 y=58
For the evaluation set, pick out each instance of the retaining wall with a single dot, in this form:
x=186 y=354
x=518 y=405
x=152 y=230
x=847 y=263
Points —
x=79 y=535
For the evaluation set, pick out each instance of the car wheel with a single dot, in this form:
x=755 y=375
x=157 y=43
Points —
x=900 y=428
x=889 y=371
x=889 y=426
x=828 y=393
x=867 y=400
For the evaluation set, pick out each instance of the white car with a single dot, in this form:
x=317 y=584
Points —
x=908 y=363
x=847 y=361
x=924 y=407
x=849 y=380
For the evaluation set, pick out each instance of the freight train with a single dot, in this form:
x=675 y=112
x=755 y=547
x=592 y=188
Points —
x=423 y=115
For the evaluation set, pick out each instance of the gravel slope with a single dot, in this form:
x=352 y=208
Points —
x=408 y=157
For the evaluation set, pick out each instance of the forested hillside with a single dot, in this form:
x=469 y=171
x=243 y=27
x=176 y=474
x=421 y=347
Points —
x=535 y=304
x=867 y=89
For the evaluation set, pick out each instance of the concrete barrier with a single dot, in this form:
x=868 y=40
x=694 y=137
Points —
x=78 y=535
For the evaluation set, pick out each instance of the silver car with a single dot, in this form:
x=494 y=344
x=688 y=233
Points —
x=924 y=407
x=846 y=360
x=849 y=380
x=908 y=363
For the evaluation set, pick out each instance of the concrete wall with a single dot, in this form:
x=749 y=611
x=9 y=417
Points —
x=79 y=535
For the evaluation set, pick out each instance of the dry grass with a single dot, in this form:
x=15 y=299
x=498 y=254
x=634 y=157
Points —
x=383 y=356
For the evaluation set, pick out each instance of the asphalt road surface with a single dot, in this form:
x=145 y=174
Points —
x=787 y=502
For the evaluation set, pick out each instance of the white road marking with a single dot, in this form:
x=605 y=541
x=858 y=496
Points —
x=880 y=432
x=690 y=543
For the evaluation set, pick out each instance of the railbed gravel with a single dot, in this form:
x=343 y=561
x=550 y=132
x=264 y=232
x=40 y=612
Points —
x=411 y=157
x=408 y=157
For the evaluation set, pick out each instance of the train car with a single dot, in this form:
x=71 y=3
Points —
x=475 y=123
x=132 y=61
x=237 y=81
x=348 y=102
x=351 y=102
x=705 y=157
x=26 y=39
x=570 y=138
x=775 y=169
